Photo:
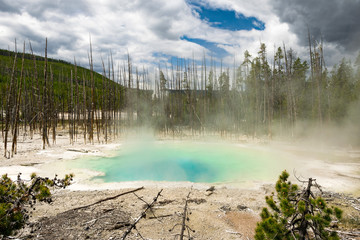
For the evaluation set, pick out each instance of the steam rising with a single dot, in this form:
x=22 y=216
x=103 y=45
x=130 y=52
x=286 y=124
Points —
x=344 y=134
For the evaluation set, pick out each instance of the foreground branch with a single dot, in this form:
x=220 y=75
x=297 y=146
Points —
x=142 y=215
x=185 y=218
x=107 y=199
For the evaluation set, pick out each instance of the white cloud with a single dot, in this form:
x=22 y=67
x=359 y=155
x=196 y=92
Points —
x=140 y=27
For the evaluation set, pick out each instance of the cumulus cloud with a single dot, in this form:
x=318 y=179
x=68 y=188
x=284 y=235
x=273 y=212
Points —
x=145 y=28
x=336 y=21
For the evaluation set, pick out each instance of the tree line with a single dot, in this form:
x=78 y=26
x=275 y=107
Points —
x=264 y=96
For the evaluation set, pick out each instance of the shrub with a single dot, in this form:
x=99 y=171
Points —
x=17 y=199
x=296 y=214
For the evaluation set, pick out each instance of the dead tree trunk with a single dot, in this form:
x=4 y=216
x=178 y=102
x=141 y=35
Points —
x=36 y=108
x=70 y=111
x=45 y=138
x=91 y=127
x=84 y=111
x=303 y=233
x=76 y=103
x=17 y=108
x=53 y=108
x=9 y=103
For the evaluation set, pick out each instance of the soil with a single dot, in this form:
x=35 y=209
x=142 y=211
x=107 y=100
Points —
x=222 y=214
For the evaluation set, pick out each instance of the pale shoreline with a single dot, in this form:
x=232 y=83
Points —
x=340 y=176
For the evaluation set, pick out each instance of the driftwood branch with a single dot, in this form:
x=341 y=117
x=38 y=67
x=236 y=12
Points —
x=232 y=232
x=347 y=233
x=142 y=215
x=161 y=216
x=184 y=226
x=146 y=205
x=107 y=199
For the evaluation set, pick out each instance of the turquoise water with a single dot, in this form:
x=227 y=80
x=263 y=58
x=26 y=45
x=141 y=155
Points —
x=186 y=161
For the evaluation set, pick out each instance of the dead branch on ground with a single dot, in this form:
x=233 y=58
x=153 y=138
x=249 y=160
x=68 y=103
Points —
x=107 y=199
x=142 y=215
x=185 y=218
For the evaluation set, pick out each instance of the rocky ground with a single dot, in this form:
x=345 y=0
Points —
x=218 y=213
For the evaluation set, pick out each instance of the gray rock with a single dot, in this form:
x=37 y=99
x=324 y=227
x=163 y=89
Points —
x=241 y=207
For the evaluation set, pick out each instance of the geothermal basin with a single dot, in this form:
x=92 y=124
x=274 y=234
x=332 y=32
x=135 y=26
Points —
x=132 y=163
x=186 y=161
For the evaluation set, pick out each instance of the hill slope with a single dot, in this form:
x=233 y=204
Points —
x=60 y=74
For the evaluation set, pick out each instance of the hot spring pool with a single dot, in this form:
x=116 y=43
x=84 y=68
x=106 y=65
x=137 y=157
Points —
x=186 y=161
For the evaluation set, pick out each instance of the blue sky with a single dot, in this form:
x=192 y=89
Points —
x=226 y=19
x=215 y=51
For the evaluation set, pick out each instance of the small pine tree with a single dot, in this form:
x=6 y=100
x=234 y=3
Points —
x=296 y=214
x=17 y=199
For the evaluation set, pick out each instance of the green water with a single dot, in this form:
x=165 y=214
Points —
x=186 y=161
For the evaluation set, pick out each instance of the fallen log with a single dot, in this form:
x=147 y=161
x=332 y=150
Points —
x=107 y=199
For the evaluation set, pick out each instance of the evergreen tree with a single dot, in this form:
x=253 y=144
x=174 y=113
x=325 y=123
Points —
x=224 y=82
x=341 y=90
x=300 y=87
x=296 y=214
x=357 y=76
x=18 y=198
x=163 y=81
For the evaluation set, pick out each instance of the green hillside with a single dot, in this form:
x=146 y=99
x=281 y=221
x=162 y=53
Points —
x=59 y=76
x=38 y=94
